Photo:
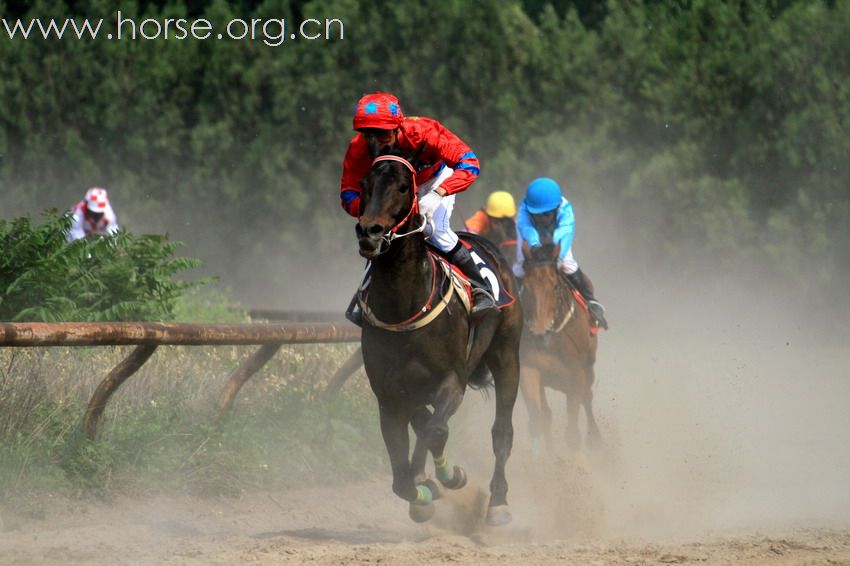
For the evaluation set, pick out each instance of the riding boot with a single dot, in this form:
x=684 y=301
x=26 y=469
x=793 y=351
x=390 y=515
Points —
x=354 y=313
x=483 y=298
x=583 y=285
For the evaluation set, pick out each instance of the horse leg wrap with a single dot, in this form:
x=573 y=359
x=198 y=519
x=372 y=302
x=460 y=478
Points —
x=444 y=473
x=423 y=495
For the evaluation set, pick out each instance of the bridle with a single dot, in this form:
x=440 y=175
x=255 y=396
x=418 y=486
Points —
x=393 y=234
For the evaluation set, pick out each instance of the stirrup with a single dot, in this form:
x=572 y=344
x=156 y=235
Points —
x=483 y=302
x=355 y=316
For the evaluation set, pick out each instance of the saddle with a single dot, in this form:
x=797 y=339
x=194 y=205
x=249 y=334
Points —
x=453 y=281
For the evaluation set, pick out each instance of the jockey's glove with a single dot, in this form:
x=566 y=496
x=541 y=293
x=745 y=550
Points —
x=429 y=203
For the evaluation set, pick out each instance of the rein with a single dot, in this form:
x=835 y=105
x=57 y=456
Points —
x=563 y=294
x=569 y=314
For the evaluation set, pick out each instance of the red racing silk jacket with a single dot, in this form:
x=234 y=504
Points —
x=441 y=148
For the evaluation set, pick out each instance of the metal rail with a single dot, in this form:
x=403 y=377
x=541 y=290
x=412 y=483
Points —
x=147 y=336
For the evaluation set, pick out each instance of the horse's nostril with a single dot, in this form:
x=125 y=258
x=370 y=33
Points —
x=376 y=229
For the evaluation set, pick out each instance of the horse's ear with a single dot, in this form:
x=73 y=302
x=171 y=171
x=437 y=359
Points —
x=526 y=251
x=556 y=251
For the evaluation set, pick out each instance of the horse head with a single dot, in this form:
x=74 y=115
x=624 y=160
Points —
x=541 y=287
x=388 y=200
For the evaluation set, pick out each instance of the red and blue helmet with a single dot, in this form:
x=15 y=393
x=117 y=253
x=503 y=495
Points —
x=379 y=110
x=543 y=195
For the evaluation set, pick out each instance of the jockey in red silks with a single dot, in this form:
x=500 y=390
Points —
x=446 y=166
x=92 y=216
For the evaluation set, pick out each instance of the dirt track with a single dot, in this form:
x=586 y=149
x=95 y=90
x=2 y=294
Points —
x=360 y=523
x=725 y=444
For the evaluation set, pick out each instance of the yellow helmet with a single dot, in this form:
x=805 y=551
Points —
x=500 y=204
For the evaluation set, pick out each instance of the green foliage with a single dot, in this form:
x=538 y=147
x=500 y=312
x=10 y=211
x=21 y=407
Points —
x=158 y=435
x=121 y=277
x=660 y=106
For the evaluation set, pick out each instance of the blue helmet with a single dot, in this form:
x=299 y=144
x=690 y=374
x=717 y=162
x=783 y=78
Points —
x=543 y=195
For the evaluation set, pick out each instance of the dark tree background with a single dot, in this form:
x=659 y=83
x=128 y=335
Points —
x=713 y=134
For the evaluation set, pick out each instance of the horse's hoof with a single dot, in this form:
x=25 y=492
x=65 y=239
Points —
x=421 y=513
x=436 y=492
x=498 y=515
x=458 y=479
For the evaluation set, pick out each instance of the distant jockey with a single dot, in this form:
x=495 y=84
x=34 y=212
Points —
x=500 y=207
x=545 y=214
x=446 y=166
x=92 y=216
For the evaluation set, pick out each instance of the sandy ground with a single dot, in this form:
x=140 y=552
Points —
x=362 y=524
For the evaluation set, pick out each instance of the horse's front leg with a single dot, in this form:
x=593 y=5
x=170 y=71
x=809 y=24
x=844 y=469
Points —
x=594 y=438
x=394 y=425
x=419 y=421
x=446 y=403
x=394 y=430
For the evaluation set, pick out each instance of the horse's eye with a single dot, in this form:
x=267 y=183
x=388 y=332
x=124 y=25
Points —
x=402 y=188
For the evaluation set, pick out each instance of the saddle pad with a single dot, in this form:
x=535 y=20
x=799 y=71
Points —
x=488 y=271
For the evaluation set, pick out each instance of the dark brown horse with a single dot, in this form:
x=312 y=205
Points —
x=559 y=348
x=411 y=366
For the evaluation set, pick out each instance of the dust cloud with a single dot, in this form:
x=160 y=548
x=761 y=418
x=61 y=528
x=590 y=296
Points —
x=722 y=397
x=723 y=404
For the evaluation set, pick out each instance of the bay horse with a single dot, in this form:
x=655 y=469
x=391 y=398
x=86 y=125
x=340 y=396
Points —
x=412 y=365
x=559 y=350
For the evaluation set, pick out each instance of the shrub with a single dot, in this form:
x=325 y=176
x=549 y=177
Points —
x=121 y=277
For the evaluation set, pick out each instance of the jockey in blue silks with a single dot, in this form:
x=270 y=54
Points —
x=545 y=214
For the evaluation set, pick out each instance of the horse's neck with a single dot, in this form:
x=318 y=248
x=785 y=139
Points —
x=401 y=279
